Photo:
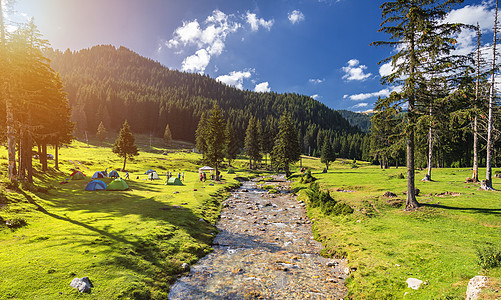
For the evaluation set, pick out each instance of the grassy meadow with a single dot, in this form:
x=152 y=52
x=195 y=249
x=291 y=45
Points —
x=437 y=244
x=131 y=244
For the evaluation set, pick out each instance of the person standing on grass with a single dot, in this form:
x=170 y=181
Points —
x=183 y=176
x=126 y=174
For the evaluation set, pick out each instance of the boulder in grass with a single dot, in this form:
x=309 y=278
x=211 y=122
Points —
x=414 y=283
x=83 y=285
x=388 y=194
x=475 y=286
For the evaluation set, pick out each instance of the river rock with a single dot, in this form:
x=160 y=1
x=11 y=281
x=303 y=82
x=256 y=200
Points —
x=475 y=287
x=414 y=283
x=83 y=285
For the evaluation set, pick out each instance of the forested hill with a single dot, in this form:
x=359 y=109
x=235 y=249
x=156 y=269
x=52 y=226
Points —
x=110 y=85
x=360 y=120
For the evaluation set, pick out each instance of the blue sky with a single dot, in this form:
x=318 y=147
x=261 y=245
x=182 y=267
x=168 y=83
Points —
x=318 y=48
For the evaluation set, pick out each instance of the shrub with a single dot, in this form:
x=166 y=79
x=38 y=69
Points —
x=400 y=176
x=327 y=204
x=307 y=177
x=489 y=257
x=16 y=223
x=231 y=171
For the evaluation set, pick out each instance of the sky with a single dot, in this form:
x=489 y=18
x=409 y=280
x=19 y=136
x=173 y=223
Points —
x=318 y=48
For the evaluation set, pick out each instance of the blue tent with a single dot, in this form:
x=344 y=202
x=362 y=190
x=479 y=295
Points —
x=149 y=171
x=98 y=175
x=95 y=185
x=113 y=174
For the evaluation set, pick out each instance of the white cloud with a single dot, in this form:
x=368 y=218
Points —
x=355 y=71
x=316 y=81
x=471 y=14
x=316 y=96
x=262 y=87
x=296 y=16
x=196 y=62
x=235 y=78
x=381 y=93
x=359 y=105
x=254 y=22
x=209 y=39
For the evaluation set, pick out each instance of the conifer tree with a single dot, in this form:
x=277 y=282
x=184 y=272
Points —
x=232 y=147
x=416 y=26
x=101 y=132
x=490 y=120
x=328 y=154
x=201 y=135
x=125 y=144
x=286 y=150
x=252 y=147
x=167 y=135
x=215 y=139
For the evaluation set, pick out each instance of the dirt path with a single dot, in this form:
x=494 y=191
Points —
x=265 y=250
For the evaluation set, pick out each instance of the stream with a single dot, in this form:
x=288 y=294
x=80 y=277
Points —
x=264 y=250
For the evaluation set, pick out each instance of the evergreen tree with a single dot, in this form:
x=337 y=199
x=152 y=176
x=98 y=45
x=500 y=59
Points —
x=201 y=134
x=252 y=143
x=101 y=132
x=125 y=144
x=286 y=150
x=232 y=148
x=167 y=135
x=267 y=142
x=415 y=24
x=216 y=139
x=328 y=154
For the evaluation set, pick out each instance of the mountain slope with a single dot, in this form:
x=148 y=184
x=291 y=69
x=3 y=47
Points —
x=110 y=85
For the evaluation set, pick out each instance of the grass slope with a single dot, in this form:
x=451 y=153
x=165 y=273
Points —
x=131 y=244
x=437 y=243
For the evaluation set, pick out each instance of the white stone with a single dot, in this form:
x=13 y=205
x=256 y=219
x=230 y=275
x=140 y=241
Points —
x=414 y=283
x=475 y=287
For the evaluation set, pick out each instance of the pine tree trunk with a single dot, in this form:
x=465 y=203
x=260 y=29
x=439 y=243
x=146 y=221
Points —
x=11 y=137
x=29 y=158
x=56 y=158
x=430 y=151
x=44 y=157
x=125 y=160
x=411 y=203
x=474 y=177
x=217 y=173
x=488 y=168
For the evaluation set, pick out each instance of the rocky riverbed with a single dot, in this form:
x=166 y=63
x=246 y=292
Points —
x=264 y=250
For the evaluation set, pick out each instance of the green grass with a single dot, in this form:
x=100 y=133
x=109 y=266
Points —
x=437 y=244
x=131 y=244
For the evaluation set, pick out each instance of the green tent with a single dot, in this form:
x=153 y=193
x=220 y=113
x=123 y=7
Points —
x=174 y=181
x=117 y=185
x=77 y=176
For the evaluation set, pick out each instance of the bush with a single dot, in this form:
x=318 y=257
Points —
x=489 y=257
x=231 y=171
x=327 y=204
x=16 y=223
x=400 y=176
x=307 y=177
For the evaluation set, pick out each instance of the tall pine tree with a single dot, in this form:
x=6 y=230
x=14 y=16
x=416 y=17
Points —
x=286 y=150
x=125 y=144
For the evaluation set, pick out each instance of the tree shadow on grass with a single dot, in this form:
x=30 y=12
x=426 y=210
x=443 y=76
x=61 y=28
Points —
x=488 y=211
x=150 y=251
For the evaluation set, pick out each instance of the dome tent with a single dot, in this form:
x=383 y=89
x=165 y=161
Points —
x=113 y=174
x=153 y=175
x=77 y=175
x=149 y=171
x=174 y=181
x=98 y=175
x=117 y=185
x=95 y=185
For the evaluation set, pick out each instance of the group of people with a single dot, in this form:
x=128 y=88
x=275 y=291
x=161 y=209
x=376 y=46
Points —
x=203 y=176
x=179 y=175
